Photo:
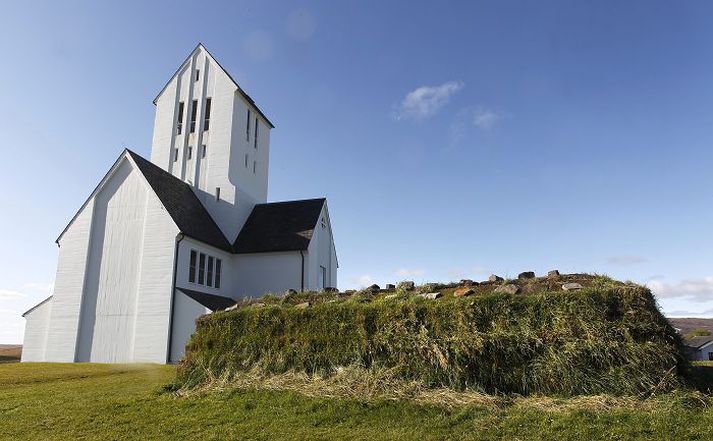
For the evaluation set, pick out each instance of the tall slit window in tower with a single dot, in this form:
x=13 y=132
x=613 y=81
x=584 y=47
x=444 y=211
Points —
x=247 y=127
x=194 y=111
x=179 y=123
x=198 y=74
x=206 y=119
x=254 y=165
x=246 y=160
x=256 y=127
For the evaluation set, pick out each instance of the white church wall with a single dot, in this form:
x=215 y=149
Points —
x=322 y=254
x=244 y=152
x=106 y=332
x=164 y=126
x=68 y=286
x=155 y=280
x=36 y=328
x=186 y=311
x=260 y=273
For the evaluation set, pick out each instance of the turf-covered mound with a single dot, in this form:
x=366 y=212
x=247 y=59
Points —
x=608 y=337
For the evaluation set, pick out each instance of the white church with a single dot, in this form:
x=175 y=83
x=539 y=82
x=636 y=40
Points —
x=159 y=243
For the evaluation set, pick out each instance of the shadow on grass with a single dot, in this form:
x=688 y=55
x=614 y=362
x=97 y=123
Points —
x=702 y=376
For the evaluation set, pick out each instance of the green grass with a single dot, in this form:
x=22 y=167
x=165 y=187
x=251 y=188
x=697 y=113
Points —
x=85 y=401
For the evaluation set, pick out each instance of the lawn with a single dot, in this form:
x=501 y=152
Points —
x=91 y=401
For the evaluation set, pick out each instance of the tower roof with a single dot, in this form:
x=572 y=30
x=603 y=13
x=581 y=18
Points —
x=247 y=97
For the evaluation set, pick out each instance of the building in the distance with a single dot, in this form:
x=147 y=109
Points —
x=159 y=243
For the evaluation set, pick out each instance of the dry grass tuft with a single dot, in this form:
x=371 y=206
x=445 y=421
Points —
x=357 y=383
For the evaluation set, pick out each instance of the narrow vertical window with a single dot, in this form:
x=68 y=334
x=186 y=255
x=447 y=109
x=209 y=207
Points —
x=190 y=152
x=254 y=165
x=256 y=127
x=175 y=155
x=218 y=265
x=194 y=111
x=203 y=149
x=246 y=160
x=192 y=267
x=209 y=272
x=323 y=272
x=217 y=193
x=198 y=74
x=247 y=127
x=179 y=123
x=201 y=269
x=206 y=119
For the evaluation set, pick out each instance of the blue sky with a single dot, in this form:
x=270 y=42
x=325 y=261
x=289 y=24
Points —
x=452 y=139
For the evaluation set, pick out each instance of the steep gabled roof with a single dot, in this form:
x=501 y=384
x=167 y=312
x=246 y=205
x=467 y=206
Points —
x=698 y=342
x=240 y=89
x=279 y=226
x=37 y=306
x=182 y=204
x=210 y=301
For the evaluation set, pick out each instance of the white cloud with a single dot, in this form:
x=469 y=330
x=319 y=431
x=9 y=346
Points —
x=485 y=119
x=300 y=25
x=363 y=281
x=626 y=260
x=43 y=287
x=409 y=272
x=463 y=273
x=7 y=294
x=427 y=100
x=698 y=290
x=258 y=45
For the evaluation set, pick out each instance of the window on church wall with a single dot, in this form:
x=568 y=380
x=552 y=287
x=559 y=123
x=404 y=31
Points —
x=256 y=127
x=209 y=272
x=218 y=267
x=192 y=267
x=206 y=119
x=217 y=193
x=175 y=155
x=207 y=268
x=194 y=111
x=254 y=166
x=247 y=127
x=201 y=269
x=179 y=124
x=246 y=160
x=203 y=150
x=189 y=153
x=198 y=74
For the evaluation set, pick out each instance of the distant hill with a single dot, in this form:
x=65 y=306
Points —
x=687 y=325
x=10 y=353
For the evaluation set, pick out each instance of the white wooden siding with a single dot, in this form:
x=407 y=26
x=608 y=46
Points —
x=69 y=283
x=36 y=327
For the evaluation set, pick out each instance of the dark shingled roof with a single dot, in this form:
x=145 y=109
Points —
x=279 y=226
x=697 y=342
x=210 y=301
x=182 y=204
